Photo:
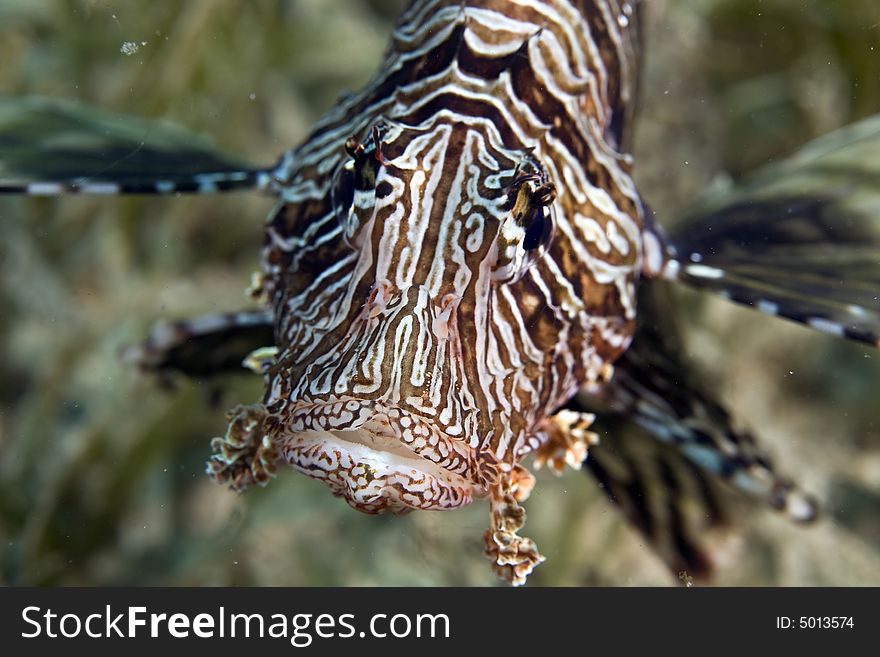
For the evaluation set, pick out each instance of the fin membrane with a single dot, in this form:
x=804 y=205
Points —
x=799 y=239
x=50 y=147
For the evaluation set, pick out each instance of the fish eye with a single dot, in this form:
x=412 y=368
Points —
x=344 y=187
x=539 y=228
x=531 y=196
x=529 y=226
x=354 y=184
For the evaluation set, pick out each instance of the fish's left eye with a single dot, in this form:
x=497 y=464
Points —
x=531 y=208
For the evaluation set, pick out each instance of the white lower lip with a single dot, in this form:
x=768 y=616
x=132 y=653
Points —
x=383 y=454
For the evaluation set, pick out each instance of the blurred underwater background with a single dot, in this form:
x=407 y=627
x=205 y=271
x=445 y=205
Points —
x=102 y=468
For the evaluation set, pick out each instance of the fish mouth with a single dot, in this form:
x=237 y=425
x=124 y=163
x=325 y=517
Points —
x=379 y=459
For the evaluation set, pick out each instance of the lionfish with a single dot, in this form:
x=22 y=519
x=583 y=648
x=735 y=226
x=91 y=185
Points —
x=458 y=271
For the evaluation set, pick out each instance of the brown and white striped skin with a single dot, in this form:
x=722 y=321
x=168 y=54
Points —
x=428 y=326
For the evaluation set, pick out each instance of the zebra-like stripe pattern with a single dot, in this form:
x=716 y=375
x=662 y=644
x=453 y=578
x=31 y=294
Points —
x=454 y=256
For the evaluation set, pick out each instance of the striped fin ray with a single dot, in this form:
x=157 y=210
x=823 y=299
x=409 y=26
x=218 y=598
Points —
x=799 y=239
x=684 y=513
x=656 y=387
x=50 y=147
x=673 y=473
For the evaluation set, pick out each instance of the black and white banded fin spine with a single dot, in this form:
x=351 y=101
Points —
x=798 y=240
x=680 y=510
x=654 y=387
x=820 y=312
x=50 y=147
x=672 y=459
x=840 y=320
x=203 y=183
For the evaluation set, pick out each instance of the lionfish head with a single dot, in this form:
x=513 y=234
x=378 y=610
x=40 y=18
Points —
x=396 y=380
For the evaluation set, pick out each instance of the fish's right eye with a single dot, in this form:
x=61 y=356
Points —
x=344 y=187
x=353 y=194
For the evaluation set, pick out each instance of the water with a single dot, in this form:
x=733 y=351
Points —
x=86 y=498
